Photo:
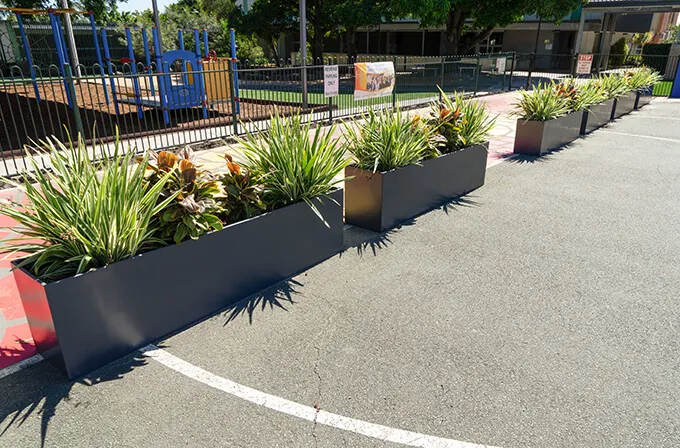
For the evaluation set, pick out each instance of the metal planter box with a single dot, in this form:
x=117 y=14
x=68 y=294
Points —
x=624 y=104
x=379 y=201
x=84 y=322
x=644 y=97
x=534 y=138
x=596 y=117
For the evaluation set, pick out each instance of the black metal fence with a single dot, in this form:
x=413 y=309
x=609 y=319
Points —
x=152 y=110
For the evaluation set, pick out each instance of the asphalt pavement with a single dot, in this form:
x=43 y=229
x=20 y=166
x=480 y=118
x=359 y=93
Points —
x=539 y=311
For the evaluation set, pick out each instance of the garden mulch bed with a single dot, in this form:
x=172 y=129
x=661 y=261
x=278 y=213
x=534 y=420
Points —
x=23 y=118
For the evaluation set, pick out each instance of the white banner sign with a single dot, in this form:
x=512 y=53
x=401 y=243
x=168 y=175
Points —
x=500 y=65
x=331 y=81
x=584 y=64
x=373 y=79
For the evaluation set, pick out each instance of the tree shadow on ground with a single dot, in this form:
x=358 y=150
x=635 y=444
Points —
x=279 y=296
x=40 y=389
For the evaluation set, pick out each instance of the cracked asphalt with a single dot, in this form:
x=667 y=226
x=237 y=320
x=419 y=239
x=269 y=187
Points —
x=540 y=311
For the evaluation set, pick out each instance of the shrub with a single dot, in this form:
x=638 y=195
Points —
x=294 y=163
x=81 y=218
x=586 y=94
x=476 y=123
x=383 y=140
x=242 y=192
x=544 y=102
x=614 y=85
x=447 y=117
x=641 y=78
x=195 y=209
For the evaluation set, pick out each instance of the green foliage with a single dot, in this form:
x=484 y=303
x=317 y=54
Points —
x=584 y=94
x=447 y=117
x=270 y=19
x=641 y=78
x=79 y=218
x=242 y=192
x=383 y=140
x=614 y=85
x=194 y=209
x=470 y=119
x=544 y=102
x=673 y=35
x=295 y=162
x=618 y=52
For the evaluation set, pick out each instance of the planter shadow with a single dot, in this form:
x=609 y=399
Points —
x=524 y=159
x=533 y=138
x=278 y=296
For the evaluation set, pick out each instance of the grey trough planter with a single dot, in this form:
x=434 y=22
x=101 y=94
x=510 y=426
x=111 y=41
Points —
x=644 y=97
x=624 y=104
x=534 y=138
x=380 y=201
x=84 y=322
x=596 y=117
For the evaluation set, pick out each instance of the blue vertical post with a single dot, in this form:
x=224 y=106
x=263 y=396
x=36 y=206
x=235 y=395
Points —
x=159 y=69
x=133 y=68
x=185 y=65
x=60 y=55
x=62 y=39
x=99 y=54
x=232 y=37
x=198 y=79
x=29 y=57
x=206 y=51
x=675 y=90
x=109 y=66
x=147 y=55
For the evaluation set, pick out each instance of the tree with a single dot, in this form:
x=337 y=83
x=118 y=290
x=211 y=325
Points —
x=321 y=22
x=352 y=14
x=485 y=16
x=673 y=34
x=270 y=19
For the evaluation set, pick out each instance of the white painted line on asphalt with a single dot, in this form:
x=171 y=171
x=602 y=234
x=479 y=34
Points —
x=656 y=117
x=663 y=139
x=294 y=409
x=21 y=365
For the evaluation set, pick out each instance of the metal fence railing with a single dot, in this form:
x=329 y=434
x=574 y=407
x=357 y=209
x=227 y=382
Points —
x=152 y=110
x=534 y=68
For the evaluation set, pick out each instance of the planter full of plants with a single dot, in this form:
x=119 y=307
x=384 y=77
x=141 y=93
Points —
x=404 y=167
x=591 y=100
x=547 y=119
x=118 y=253
x=641 y=81
x=617 y=88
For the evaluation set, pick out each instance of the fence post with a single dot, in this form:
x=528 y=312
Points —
x=477 y=75
x=394 y=91
x=512 y=71
x=234 y=116
x=441 y=87
x=531 y=68
x=74 y=100
x=572 y=70
x=330 y=110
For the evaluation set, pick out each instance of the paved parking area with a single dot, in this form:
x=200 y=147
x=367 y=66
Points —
x=540 y=311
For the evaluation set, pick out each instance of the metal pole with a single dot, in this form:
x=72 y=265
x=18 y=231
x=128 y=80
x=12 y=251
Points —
x=303 y=49
x=69 y=37
x=157 y=22
x=533 y=55
x=579 y=35
x=234 y=70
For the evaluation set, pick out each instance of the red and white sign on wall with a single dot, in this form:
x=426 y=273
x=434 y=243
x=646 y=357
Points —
x=584 y=64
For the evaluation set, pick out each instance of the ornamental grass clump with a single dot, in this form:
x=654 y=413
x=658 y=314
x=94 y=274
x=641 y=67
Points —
x=544 y=102
x=476 y=124
x=83 y=214
x=641 y=79
x=614 y=85
x=294 y=163
x=585 y=94
x=386 y=140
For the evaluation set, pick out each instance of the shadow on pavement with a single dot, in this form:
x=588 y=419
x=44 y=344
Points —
x=521 y=159
x=42 y=387
x=277 y=296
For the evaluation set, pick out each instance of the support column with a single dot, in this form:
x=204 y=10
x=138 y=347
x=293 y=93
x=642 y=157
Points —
x=608 y=39
x=579 y=34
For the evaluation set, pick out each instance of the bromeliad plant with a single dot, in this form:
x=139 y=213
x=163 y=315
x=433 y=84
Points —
x=383 y=140
x=242 y=192
x=544 y=102
x=476 y=124
x=585 y=94
x=82 y=214
x=293 y=162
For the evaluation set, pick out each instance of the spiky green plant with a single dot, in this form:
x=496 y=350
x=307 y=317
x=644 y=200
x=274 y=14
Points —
x=476 y=124
x=82 y=214
x=294 y=163
x=641 y=78
x=614 y=85
x=386 y=140
x=587 y=93
x=544 y=102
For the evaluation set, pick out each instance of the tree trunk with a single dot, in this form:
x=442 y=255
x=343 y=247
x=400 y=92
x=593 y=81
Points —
x=352 y=50
x=274 y=47
x=454 y=28
x=468 y=44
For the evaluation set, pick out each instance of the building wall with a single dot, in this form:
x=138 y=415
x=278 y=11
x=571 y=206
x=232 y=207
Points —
x=524 y=41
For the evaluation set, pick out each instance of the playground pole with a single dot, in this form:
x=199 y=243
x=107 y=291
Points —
x=148 y=60
x=159 y=70
x=157 y=22
x=180 y=38
x=60 y=33
x=234 y=63
x=69 y=36
x=199 y=71
x=60 y=55
x=133 y=68
x=109 y=66
x=29 y=58
x=99 y=55
x=205 y=42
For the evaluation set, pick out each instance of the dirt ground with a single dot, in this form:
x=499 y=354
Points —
x=23 y=118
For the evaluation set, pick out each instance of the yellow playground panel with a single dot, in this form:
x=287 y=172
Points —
x=216 y=79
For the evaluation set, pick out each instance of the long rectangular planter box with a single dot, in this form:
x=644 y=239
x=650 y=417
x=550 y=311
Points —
x=379 y=201
x=84 y=322
x=537 y=137
x=624 y=104
x=596 y=116
x=644 y=97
